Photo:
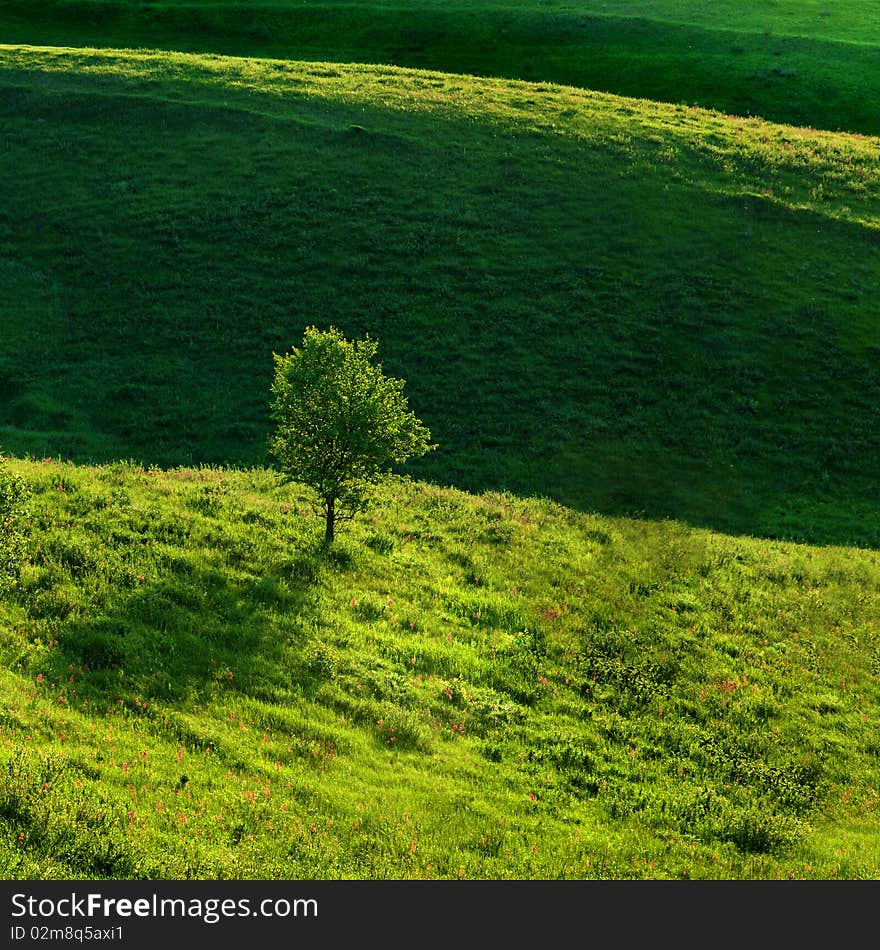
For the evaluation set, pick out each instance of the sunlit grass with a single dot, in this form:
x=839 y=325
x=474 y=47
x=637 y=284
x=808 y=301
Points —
x=806 y=63
x=477 y=687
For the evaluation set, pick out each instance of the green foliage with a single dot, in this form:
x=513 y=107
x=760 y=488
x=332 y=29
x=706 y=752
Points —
x=340 y=422
x=13 y=495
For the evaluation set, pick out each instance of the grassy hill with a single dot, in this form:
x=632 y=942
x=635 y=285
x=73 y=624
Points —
x=623 y=305
x=638 y=638
x=806 y=62
x=465 y=687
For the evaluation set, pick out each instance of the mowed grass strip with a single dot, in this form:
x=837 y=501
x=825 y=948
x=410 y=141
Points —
x=626 y=306
x=803 y=63
x=463 y=687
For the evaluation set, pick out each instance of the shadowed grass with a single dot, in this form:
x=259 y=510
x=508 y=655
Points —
x=627 y=306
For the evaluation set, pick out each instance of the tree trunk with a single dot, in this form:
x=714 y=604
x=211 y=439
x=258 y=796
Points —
x=331 y=521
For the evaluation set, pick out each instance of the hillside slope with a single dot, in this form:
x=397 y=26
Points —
x=807 y=63
x=626 y=306
x=467 y=687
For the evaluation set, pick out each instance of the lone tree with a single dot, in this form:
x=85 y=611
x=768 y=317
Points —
x=340 y=422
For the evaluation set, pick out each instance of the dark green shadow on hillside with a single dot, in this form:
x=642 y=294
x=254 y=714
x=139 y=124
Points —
x=664 y=349
x=795 y=80
x=193 y=635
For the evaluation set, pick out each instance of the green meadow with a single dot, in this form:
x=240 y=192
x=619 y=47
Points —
x=462 y=687
x=627 y=306
x=623 y=622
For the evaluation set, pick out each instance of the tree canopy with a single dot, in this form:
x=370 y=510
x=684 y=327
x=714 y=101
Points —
x=340 y=422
